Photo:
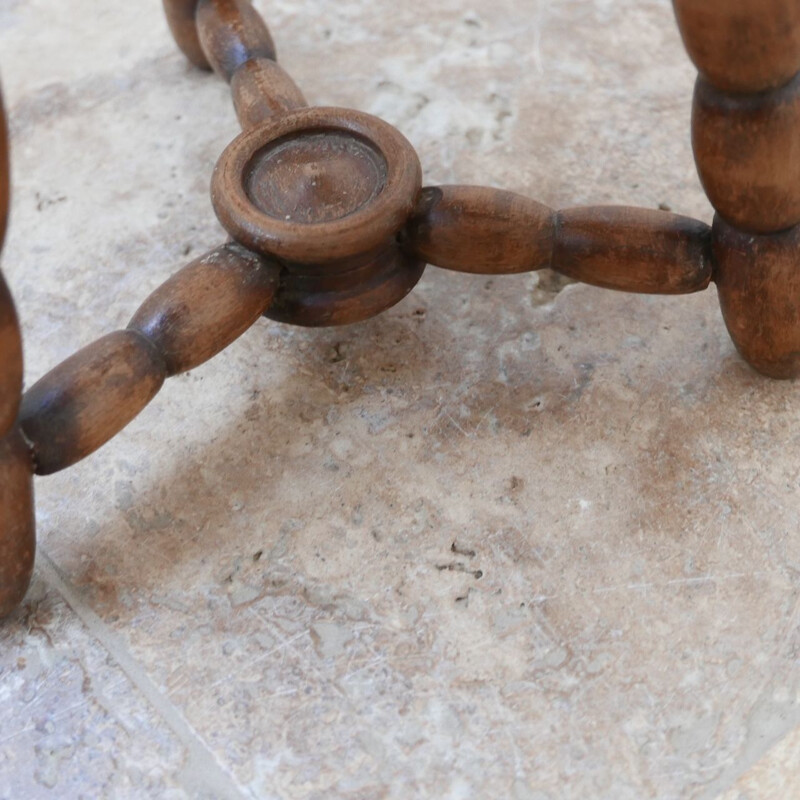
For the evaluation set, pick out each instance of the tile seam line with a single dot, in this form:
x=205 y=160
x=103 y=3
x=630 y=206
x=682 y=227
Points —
x=197 y=750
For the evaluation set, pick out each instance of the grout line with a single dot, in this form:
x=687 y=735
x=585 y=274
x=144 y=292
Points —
x=203 y=773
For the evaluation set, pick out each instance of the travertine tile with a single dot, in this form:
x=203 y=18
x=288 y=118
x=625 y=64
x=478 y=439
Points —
x=74 y=725
x=509 y=539
x=775 y=775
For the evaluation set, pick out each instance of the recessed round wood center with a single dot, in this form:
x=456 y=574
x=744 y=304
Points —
x=312 y=177
x=316 y=186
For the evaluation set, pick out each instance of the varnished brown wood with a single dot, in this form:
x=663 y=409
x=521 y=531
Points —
x=17 y=523
x=181 y=18
x=10 y=339
x=207 y=305
x=261 y=89
x=89 y=398
x=316 y=185
x=747 y=150
x=742 y=45
x=17 y=519
x=10 y=361
x=341 y=294
x=481 y=230
x=633 y=249
x=231 y=33
x=758 y=280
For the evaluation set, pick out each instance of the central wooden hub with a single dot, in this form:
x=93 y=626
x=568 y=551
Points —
x=316 y=186
x=326 y=191
x=315 y=177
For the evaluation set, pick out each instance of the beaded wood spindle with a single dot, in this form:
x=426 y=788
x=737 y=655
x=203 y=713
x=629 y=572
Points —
x=746 y=140
x=17 y=526
x=331 y=225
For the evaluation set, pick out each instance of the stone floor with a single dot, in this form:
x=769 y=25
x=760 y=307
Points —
x=511 y=539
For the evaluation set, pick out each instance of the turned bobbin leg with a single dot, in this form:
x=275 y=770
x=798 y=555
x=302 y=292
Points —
x=230 y=37
x=17 y=527
x=180 y=16
x=746 y=141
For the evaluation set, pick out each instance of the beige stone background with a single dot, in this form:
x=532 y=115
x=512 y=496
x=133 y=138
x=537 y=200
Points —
x=510 y=539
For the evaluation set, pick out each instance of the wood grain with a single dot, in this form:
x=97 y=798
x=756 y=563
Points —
x=742 y=45
x=10 y=361
x=17 y=522
x=200 y=310
x=747 y=151
x=181 y=19
x=758 y=281
x=87 y=399
x=346 y=292
x=231 y=33
x=10 y=337
x=479 y=229
x=316 y=185
x=261 y=89
x=633 y=249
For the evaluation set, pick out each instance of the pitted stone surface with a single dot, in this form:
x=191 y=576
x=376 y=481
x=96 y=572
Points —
x=512 y=538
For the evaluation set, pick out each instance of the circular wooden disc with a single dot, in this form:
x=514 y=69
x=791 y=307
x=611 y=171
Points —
x=316 y=185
